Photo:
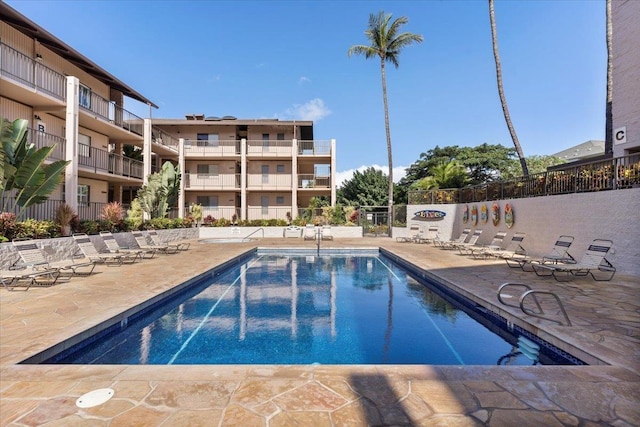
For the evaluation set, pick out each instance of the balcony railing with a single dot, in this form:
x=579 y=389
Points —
x=268 y=212
x=101 y=161
x=269 y=181
x=23 y=69
x=193 y=147
x=163 y=138
x=225 y=212
x=314 y=181
x=314 y=148
x=47 y=210
x=279 y=148
x=194 y=181
x=610 y=174
x=108 y=111
x=43 y=139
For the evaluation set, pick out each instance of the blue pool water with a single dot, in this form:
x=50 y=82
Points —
x=303 y=309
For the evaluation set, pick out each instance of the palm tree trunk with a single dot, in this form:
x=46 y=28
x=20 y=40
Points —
x=608 y=137
x=503 y=101
x=389 y=152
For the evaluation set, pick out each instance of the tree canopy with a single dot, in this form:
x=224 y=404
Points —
x=367 y=188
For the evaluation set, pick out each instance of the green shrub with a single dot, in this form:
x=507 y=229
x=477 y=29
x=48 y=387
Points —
x=7 y=225
x=33 y=229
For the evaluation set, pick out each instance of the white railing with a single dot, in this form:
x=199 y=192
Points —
x=314 y=181
x=161 y=137
x=277 y=148
x=193 y=147
x=225 y=212
x=267 y=212
x=269 y=181
x=43 y=139
x=101 y=161
x=208 y=182
x=314 y=148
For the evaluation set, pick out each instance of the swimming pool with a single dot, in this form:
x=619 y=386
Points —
x=345 y=307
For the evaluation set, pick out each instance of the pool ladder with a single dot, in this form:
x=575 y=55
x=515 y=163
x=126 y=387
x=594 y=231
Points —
x=318 y=238
x=254 y=232
x=533 y=294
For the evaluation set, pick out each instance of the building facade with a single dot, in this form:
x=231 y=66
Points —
x=625 y=19
x=253 y=169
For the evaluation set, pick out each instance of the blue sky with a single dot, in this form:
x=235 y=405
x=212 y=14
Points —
x=288 y=60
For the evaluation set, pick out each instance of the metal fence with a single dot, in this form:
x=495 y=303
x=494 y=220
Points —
x=610 y=174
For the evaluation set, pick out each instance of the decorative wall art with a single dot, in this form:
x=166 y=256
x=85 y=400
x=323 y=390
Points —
x=465 y=214
x=495 y=213
x=484 y=213
x=509 y=219
x=474 y=215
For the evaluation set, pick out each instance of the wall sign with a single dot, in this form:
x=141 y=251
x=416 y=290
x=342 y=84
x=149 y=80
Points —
x=429 y=215
x=620 y=135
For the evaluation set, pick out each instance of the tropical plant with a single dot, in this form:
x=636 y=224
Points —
x=366 y=188
x=446 y=175
x=113 y=212
x=386 y=43
x=23 y=169
x=135 y=215
x=7 y=226
x=196 y=211
x=161 y=191
x=64 y=216
x=503 y=100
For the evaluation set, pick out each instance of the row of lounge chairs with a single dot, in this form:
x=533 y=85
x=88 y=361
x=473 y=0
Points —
x=33 y=269
x=558 y=263
x=311 y=232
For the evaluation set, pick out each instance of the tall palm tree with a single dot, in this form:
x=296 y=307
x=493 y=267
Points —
x=503 y=101
x=608 y=137
x=386 y=43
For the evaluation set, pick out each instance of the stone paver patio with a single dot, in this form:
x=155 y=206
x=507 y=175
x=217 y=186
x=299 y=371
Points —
x=606 y=318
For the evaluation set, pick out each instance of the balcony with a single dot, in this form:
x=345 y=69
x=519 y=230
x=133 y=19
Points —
x=43 y=139
x=268 y=212
x=260 y=148
x=109 y=113
x=218 y=212
x=44 y=85
x=314 y=181
x=102 y=162
x=314 y=148
x=269 y=182
x=163 y=139
x=211 y=182
x=194 y=148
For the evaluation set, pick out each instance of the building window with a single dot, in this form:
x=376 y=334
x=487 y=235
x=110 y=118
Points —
x=208 y=140
x=280 y=137
x=207 y=170
x=209 y=202
x=280 y=168
x=265 y=174
x=265 y=141
x=280 y=200
x=84 y=145
x=83 y=195
x=264 y=201
x=84 y=97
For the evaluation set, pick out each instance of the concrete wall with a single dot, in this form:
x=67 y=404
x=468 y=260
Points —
x=270 y=232
x=613 y=215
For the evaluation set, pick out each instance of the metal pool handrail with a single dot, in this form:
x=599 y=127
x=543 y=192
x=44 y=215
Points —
x=254 y=232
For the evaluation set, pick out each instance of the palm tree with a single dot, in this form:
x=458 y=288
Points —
x=445 y=175
x=386 y=43
x=608 y=138
x=503 y=101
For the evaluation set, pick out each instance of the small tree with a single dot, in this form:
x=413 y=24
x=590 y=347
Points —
x=196 y=212
x=23 y=168
x=161 y=191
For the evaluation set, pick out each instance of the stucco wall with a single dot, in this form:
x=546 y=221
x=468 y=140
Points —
x=613 y=215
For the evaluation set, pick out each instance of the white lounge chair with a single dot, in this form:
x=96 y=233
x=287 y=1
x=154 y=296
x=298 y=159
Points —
x=27 y=277
x=325 y=232
x=448 y=244
x=594 y=259
x=414 y=233
x=144 y=244
x=464 y=247
x=559 y=253
x=310 y=232
x=32 y=257
x=512 y=250
x=84 y=243
x=430 y=237
x=113 y=247
x=155 y=238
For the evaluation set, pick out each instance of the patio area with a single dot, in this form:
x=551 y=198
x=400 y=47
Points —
x=605 y=333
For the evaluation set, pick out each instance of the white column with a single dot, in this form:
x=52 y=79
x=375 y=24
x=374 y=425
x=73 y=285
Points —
x=243 y=179
x=146 y=151
x=181 y=195
x=294 y=178
x=71 y=148
x=333 y=172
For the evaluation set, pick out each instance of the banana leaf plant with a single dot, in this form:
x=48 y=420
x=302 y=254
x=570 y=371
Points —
x=161 y=191
x=25 y=179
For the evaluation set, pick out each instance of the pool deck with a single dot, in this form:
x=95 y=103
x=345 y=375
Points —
x=605 y=332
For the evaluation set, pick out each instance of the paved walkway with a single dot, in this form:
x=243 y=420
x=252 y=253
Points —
x=606 y=318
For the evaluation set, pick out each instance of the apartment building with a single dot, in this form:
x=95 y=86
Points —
x=253 y=169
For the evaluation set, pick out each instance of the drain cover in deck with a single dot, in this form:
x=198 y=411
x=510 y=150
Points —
x=94 y=398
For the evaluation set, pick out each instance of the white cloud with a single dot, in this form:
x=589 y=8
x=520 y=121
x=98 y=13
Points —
x=303 y=80
x=311 y=110
x=398 y=173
